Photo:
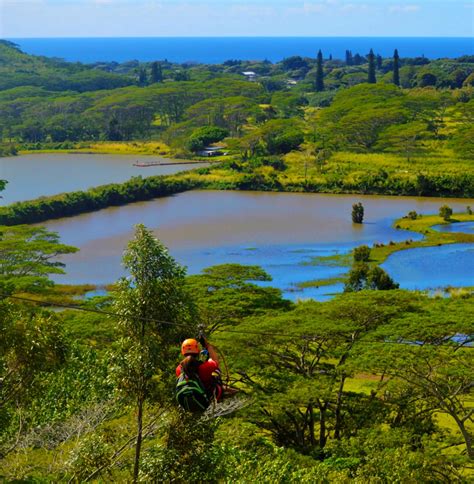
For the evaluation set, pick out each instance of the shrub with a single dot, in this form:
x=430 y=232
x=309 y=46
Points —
x=206 y=135
x=361 y=254
x=357 y=213
x=445 y=212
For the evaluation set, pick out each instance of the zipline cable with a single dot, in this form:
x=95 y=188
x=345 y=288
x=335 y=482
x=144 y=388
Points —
x=292 y=336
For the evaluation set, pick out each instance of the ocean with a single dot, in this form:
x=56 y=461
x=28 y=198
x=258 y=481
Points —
x=214 y=50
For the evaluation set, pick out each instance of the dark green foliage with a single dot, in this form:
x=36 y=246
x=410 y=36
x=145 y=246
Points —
x=445 y=212
x=361 y=277
x=412 y=215
x=20 y=69
x=357 y=213
x=156 y=74
x=319 y=84
x=281 y=136
x=349 y=58
x=73 y=203
x=378 y=61
x=371 y=79
x=427 y=79
x=294 y=63
x=361 y=254
x=396 y=68
x=205 y=136
x=28 y=256
x=227 y=293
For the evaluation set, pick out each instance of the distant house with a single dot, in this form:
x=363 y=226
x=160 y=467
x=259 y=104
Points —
x=250 y=75
x=210 y=151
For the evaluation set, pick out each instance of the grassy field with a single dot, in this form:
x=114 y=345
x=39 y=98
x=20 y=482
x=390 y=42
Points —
x=112 y=148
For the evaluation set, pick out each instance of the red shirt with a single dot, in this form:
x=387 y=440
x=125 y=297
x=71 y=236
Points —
x=205 y=371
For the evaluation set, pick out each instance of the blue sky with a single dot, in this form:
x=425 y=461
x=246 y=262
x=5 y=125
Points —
x=155 y=18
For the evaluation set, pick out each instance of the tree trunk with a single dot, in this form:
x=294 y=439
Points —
x=311 y=424
x=322 y=426
x=138 y=445
x=338 y=413
x=466 y=435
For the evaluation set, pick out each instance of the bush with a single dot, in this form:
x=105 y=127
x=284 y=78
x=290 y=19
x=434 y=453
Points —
x=363 y=277
x=361 y=254
x=206 y=135
x=357 y=213
x=412 y=215
x=445 y=212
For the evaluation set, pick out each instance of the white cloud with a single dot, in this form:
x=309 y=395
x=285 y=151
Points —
x=308 y=8
x=353 y=7
x=404 y=8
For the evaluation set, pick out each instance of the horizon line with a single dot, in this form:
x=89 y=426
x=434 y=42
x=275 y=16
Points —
x=250 y=36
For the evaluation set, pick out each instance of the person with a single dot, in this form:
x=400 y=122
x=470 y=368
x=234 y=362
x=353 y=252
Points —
x=207 y=371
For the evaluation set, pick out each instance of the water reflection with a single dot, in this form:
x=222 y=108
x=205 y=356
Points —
x=32 y=176
x=281 y=232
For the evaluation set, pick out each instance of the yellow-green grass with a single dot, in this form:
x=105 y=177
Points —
x=351 y=165
x=113 y=148
x=320 y=282
x=423 y=224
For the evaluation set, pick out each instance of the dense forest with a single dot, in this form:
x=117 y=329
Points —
x=372 y=386
x=375 y=385
x=363 y=124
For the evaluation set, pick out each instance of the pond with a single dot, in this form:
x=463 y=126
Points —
x=285 y=233
x=432 y=267
x=465 y=227
x=32 y=176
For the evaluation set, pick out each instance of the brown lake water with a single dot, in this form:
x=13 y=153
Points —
x=32 y=176
x=282 y=232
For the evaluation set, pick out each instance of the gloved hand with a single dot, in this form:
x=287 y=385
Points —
x=202 y=340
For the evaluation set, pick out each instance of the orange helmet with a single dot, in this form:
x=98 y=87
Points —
x=189 y=347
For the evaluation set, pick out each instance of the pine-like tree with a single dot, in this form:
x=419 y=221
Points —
x=379 y=61
x=142 y=77
x=156 y=74
x=358 y=59
x=396 y=68
x=371 y=79
x=319 y=73
x=349 y=58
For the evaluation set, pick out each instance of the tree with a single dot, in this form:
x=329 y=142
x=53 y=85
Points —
x=403 y=138
x=427 y=79
x=349 y=58
x=227 y=293
x=396 y=68
x=156 y=314
x=156 y=74
x=28 y=255
x=445 y=212
x=293 y=63
x=362 y=277
x=31 y=345
x=358 y=59
x=357 y=213
x=361 y=254
x=438 y=375
x=379 y=61
x=202 y=137
x=319 y=85
x=142 y=77
x=371 y=79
